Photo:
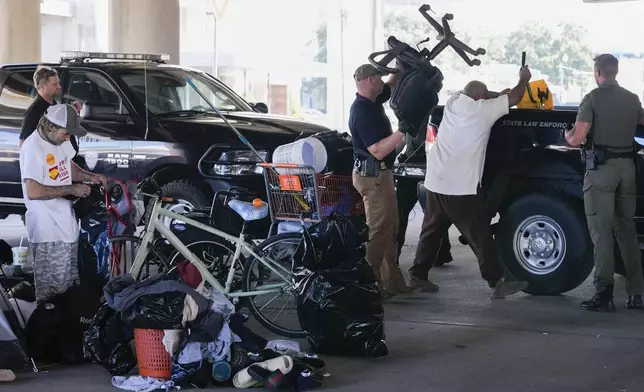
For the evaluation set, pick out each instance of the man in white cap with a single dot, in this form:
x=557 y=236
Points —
x=49 y=180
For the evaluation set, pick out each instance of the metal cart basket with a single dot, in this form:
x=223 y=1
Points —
x=297 y=193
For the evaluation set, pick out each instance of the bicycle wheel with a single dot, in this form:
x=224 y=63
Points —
x=216 y=253
x=281 y=249
x=124 y=250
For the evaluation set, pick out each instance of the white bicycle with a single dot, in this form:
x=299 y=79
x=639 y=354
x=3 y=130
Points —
x=220 y=259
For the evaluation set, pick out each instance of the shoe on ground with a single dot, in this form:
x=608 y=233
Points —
x=426 y=286
x=505 y=287
x=7 y=375
x=599 y=304
x=244 y=380
x=635 y=302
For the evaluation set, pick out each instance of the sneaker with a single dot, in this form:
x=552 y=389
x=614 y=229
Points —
x=505 y=287
x=426 y=286
x=599 y=304
x=635 y=302
x=7 y=375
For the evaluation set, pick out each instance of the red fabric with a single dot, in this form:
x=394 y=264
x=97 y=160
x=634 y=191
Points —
x=190 y=274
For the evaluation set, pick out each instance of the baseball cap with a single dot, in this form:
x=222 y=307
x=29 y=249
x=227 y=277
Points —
x=366 y=70
x=65 y=116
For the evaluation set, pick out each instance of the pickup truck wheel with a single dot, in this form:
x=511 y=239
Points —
x=187 y=197
x=544 y=240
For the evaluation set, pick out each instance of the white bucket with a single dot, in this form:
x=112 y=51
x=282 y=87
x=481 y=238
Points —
x=20 y=254
x=309 y=152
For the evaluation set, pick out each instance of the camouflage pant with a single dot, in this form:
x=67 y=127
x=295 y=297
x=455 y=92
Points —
x=55 y=268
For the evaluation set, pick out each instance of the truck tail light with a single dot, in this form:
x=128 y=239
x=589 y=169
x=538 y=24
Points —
x=432 y=132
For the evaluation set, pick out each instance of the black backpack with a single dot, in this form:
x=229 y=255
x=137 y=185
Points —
x=55 y=329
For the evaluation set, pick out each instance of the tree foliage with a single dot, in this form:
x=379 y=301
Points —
x=549 y=49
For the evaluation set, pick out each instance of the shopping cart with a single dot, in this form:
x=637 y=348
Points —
x=297 y=193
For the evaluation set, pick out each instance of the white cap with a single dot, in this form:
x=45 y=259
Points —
x=65 y=116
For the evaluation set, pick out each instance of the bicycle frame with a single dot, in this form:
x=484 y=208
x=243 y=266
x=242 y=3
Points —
x=240 y=242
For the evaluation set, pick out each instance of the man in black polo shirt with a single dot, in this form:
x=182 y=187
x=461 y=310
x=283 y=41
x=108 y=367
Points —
x=47 y=84
x=374 y=146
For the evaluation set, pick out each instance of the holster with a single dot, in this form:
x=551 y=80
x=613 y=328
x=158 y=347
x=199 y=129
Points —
x=596 y=155
x=589 y=158
x=366 y=165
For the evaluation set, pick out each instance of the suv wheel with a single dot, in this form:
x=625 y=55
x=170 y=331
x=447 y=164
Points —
x=188 y=197
x=544 y=240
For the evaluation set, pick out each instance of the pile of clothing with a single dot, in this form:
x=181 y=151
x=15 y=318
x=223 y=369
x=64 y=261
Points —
x=203 y=333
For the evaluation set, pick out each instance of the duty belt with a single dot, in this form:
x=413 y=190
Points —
x=615 y=155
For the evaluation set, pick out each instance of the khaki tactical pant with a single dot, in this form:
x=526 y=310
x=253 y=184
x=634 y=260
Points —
x=609 y=202
x=379 y=197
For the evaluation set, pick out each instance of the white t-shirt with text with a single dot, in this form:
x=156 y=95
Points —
x=455 y=158
x=48 y=220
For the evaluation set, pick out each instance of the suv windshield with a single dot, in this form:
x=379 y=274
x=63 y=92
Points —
x=168 y=92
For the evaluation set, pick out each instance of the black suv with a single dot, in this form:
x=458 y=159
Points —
x=142 y=116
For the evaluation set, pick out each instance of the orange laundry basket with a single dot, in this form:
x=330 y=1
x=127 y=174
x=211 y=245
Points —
x=154 y=360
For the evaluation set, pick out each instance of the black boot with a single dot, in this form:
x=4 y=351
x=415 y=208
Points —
x=601 y=302
x=635 y=302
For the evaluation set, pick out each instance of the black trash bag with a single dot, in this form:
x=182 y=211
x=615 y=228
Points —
x=107 y=342
x=157 y=311
x=78 y=306
x=337 y=238
x=340 y=308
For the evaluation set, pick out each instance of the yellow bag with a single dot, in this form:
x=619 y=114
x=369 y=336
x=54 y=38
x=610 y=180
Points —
x=541 y=97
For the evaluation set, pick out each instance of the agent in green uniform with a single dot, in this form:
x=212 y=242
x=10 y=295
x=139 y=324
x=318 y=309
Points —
x=606 y=123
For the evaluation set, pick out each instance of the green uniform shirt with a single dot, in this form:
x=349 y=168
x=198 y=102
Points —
x=613 y=113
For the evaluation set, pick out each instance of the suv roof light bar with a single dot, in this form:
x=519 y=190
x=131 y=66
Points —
x=80 y=56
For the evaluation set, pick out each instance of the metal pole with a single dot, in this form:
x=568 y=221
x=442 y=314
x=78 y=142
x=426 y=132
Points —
x=215 y=65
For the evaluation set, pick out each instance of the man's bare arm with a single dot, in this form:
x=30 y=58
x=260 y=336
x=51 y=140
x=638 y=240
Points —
x=392 y=79
x=80 y=175
x=384 y=147
x=516 y=94
x=576 y=136
x=20 y=143
x=494 y=94
x=37 y=191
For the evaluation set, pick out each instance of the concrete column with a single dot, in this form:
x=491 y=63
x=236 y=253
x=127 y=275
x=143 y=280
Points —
x=145 y=26
x=19 y=31
x=355 y=31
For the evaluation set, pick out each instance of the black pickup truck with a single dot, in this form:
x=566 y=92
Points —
x=533 y=181
x=143 y=116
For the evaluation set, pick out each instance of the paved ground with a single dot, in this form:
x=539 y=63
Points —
x=458 y=340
